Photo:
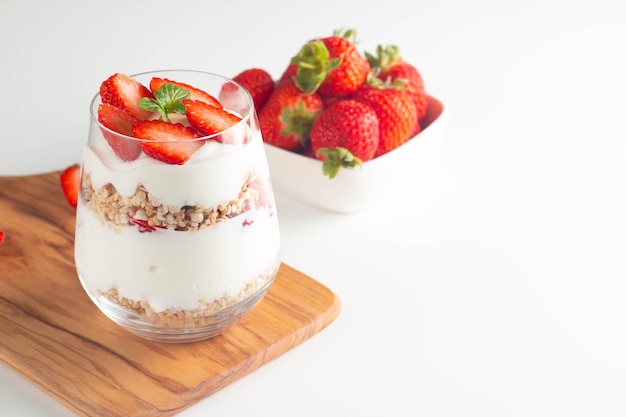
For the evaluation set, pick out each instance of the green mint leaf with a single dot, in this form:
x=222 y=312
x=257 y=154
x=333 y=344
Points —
x=168 y=99
x=171 y=96
x=149 y=104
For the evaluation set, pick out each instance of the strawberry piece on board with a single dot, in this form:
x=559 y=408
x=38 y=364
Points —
x=122 y=91
x=70 y=183
x=120 y=121
x=172 y=143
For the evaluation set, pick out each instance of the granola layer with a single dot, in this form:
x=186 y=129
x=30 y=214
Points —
x=187 y=318
x=145 y=210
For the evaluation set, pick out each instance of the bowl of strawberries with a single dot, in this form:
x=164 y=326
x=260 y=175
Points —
x=343 y=129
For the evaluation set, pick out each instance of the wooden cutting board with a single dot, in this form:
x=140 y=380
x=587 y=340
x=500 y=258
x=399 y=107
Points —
x=53 y=334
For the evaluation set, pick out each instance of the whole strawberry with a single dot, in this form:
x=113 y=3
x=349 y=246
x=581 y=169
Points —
x=389 y=65
x=259 y=84
x=344 y=135
x=395 y=109
x=288 y=115
x=331 y=66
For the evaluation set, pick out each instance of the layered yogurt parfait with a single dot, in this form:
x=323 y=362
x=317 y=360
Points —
x=177 y=234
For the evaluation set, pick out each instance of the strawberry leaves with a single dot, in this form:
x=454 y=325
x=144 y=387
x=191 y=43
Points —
x=335 y=159
x=168 y=99
x=314 y=63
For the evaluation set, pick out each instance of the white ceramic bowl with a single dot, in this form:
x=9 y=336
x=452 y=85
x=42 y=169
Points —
x=389 y=177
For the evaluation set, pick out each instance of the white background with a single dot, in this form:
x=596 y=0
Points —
x=500 y=291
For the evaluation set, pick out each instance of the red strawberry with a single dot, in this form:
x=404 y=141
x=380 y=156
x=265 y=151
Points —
x=308 y=151
x=288 y=115
x=332 y=66
x=120 y=121
x=210 y=120
x=196 y=94
x=259 y=83
x=171 y=143
x=122 y=91
x=330 y=100
x=70 y=183
x=395 y=109
x=344 y=135
x=389 y=65
x=1 y=236
x=290 y=72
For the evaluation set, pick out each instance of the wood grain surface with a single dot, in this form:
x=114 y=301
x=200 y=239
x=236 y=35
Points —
x=52 y=334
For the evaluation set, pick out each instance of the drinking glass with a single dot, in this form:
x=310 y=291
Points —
x=178 y=252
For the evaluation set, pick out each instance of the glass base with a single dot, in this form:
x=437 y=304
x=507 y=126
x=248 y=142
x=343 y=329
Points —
x=207 y=326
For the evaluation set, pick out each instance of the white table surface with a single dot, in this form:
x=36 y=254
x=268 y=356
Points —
x=501 y=291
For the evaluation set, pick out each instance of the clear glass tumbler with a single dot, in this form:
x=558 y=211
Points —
x=177 y=251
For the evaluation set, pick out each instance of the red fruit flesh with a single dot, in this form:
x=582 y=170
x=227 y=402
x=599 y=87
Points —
x=122 y=91
x=196 y=94
x=210 y=120
x=171 y=143
x=120 y=121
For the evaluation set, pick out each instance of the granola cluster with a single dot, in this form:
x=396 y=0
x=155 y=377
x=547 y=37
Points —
x=186 y=319
x=144 y=209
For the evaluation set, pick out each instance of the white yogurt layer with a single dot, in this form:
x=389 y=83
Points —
x=177 y=269
x=212 y=176
x=171 y=269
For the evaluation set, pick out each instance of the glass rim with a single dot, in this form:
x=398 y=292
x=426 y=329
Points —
x=96 y=100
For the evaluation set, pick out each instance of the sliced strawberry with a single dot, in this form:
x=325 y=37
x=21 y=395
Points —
x=210 y=120
x=70 y=183
x=196 y=94
x=120 y=121
x=171 y=143
x=122 y=91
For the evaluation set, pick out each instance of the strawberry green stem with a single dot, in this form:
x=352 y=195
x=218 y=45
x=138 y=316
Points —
x=314 y=63
x=335 y=159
